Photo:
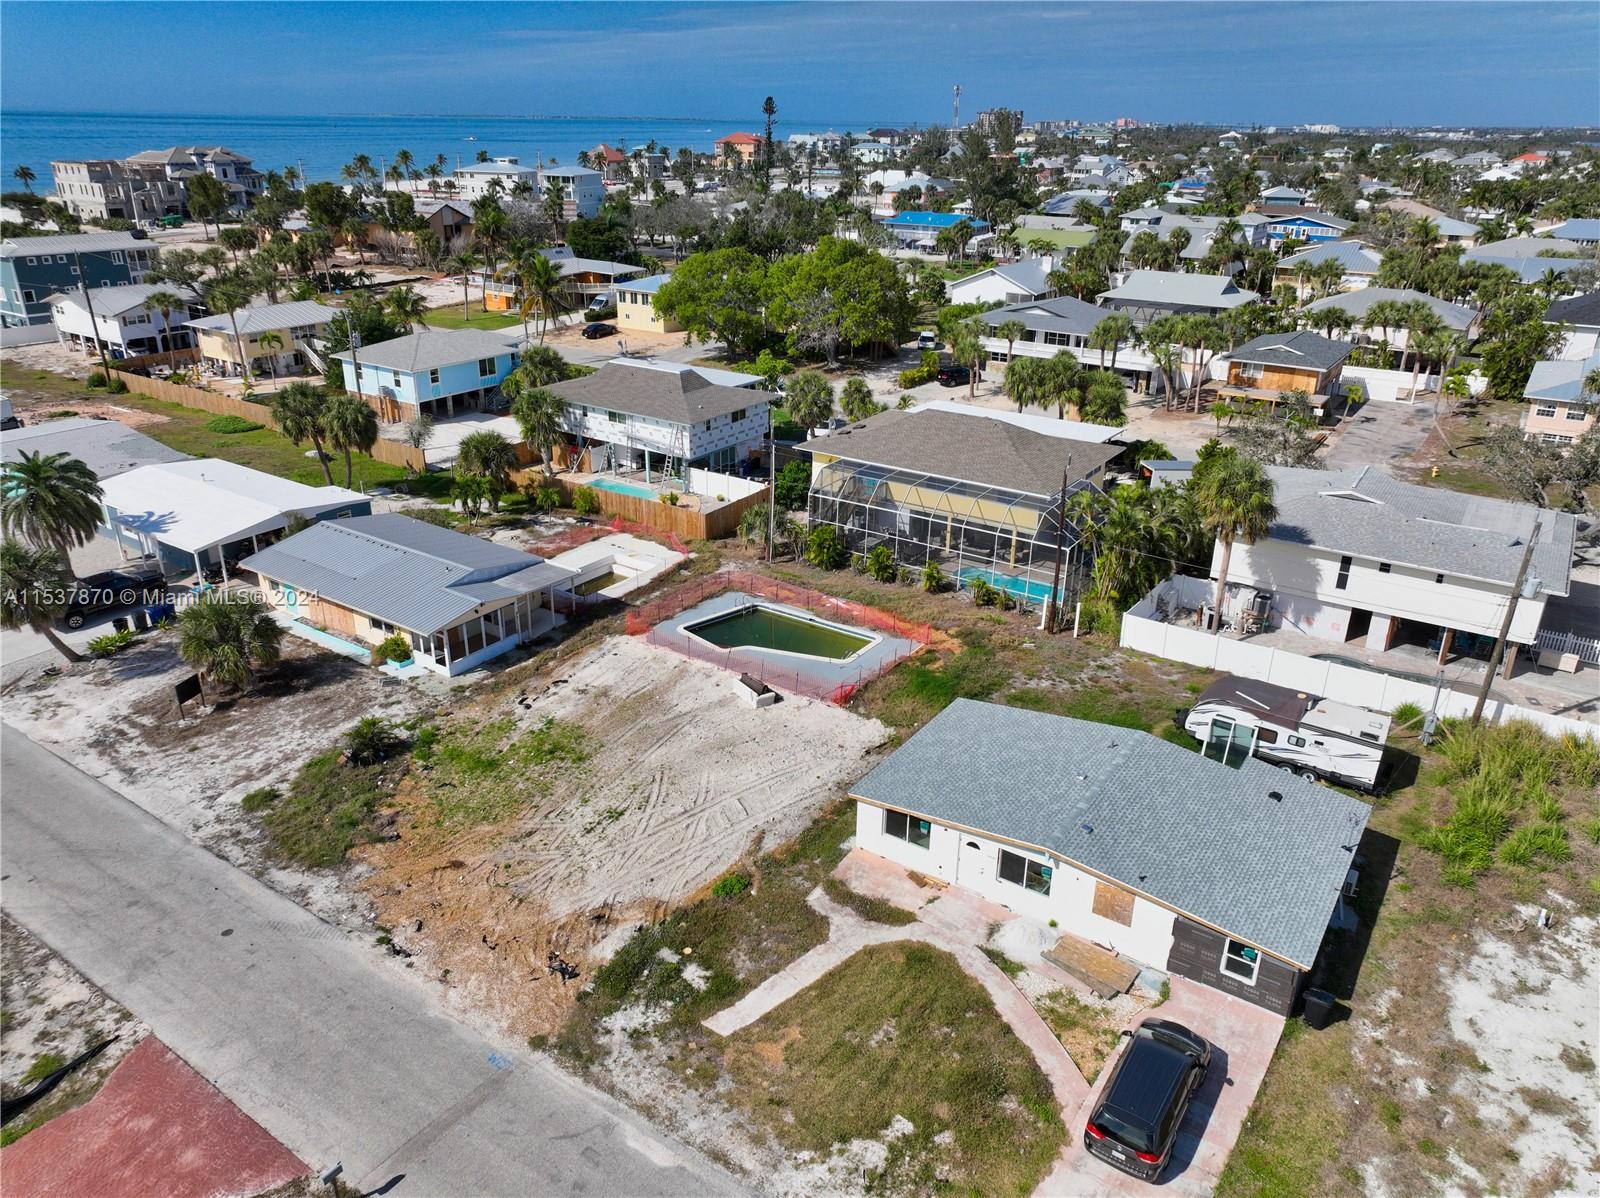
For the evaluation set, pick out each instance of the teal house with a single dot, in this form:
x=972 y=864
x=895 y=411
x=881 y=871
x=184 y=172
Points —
x=433 y=372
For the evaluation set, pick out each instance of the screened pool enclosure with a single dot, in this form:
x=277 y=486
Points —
x=1007 y=538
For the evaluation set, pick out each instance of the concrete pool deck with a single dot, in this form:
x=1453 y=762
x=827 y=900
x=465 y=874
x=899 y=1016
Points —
x=818 y=677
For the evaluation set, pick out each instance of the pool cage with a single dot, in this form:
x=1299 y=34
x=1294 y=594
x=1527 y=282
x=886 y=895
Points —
x=1007 y=538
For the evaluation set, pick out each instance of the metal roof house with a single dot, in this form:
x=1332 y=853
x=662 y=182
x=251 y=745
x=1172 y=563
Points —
x=1148 y=294
x=1358 y=265
x=121 y=319
x=1226 y=874
x=459 y=600
x=976 y=495
x=1560 y=408
x=298 y=324
x=1008 y=283
x=1531 y=258
x=1581 y=316
x=105 y=446
x=431 y=371
x=1357 y=304
x=913 y=228
x=34 y=268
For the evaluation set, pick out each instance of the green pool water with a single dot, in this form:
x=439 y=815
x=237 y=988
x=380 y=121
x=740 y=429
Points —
x=763 y=628
x=598 y=584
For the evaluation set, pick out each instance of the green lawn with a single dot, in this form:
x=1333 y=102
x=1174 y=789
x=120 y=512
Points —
x=449 y=317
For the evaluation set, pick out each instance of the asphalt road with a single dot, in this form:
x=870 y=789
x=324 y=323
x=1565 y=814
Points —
x=311 y=1036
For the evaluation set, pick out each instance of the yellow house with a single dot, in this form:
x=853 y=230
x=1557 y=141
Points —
x=636 y=309
x=275 y=338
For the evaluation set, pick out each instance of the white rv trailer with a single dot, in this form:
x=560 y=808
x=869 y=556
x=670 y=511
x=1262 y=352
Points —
x=1316 y=738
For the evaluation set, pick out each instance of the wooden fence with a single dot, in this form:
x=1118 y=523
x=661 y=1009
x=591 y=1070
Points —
x=393 y=453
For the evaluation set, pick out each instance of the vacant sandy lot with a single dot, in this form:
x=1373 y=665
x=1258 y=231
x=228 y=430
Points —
x=679 y=779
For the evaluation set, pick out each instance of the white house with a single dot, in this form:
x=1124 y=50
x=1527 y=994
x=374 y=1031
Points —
x=1581 y=316
x=474 y=179
x=1225 y=875
x=1008 y=283
x=125 y=323
x=1355 y=555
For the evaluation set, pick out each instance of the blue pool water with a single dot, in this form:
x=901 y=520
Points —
x=621 y=488
x=1023 y=588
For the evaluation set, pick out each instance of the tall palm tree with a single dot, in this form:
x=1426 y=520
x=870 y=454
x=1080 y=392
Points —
x=1063 y=381
x=52 y=500
x=229 y=637
x=408 y=307
x=1011 y=331
x=539 y=414
x=354 y=232
x=229 y=293
x=462 y=264
x=166 y=302
x=34 y=582
x=1024 y=381
x=1235 y=500
x=1109 y=334
x=298 y=412
x=351 y=424
x=488 y=456
x=272 y=342
x=25 y=176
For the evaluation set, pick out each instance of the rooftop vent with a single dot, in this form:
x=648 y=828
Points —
x=1275 y=795
x=1087 y=827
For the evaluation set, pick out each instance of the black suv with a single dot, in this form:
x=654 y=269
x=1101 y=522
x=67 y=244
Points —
x=133 y=587
x=1136 y=1122
x=953 y=376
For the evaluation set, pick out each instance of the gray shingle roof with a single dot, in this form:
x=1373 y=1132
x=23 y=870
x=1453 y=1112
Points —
x=1063 y=314
x=67 y=243
x=1367 y=514
x=292 y=315
x=1194 y=835
x=115 y=300
x=1162 y=287
x=1027 y=275
x=431 y=349
x=1580 y=309
x=1359 y=303
x=1356 y=258
x=1305 y=350
x=106 y=447
x=677 y=397
x=966 y=448
x=411 y=574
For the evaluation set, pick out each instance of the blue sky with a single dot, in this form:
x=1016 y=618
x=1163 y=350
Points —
x=1349 y=63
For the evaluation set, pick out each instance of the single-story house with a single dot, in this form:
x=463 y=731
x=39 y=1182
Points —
x=636 y=307
x=296 y=325
x=1226 y=875
x=920 y=230
x=1358 y=264
x=977 y=494
x=202 y=511
x=1584 y=231
x=1264 y=366
x=123 y=320
x=1303 y=224
x=1581 y=317
x=1009 y=283
x=1531 y=258
x=431 y=371
x=459 y=600
x=1560 y=408
x=1357 y=304
x=105 y=446
x=1286 y=195
x=1149 y=294
x=1355 y=555
x=662 y=421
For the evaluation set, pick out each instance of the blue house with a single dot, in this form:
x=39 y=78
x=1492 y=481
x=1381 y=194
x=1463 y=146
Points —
x=34 y=268
x=434 y=372
x=1306 y=226
x=921 y=229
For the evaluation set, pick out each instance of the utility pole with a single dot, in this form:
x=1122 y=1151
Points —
x=955 y=111
x=1505 y=626
x=94 y=321
x=1053 y=612
x=772 y=483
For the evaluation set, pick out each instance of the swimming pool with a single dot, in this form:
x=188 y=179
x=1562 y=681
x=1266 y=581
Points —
x=757 y=626
x=622 y=488
x=1025 y=589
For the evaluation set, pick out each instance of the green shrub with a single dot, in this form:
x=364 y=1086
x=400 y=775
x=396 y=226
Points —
x=906 y=400
x=1468 y=839
x=394 y=647
x=917 y=376
x=932 y=577
x=116 y=386
x=906 y=576
x=546 y=499
x=112 y=643
x=792 y=486
x=371 y=740
x=442 y=516
x=260 y=799
x=97 y=378
x=731 y=885
x=881 y=564
x=422 y=745
x=670 y=498
x=1531 y=842
x=585 y=502
x=232 y=424
x=1407 y=715
x=825 y=548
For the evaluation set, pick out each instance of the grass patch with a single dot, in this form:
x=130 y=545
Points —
x=1101 y=706
x=327 y=812
x=450 y=317
x=43 y=1066
x=1089 y=1032
x=259 y=799
x=876 y=910
x=921 y=688
x=900 y=1029
x=484 y=773
x=232 y=424
x=1002 y=962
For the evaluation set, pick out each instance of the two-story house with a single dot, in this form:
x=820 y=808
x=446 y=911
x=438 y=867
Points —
x=1064 y=323
x=502 y=174
x=1580 y=318
x=1293 y=223
x=636 y=307
x=1358 y=267
x=288 y=331
x=582 y=189
x=1561 y=408
x=1267 y=366
x=32 y=269
x=736 y=147
x=1357 y=556
x=1149 y=294
x=433 y=372
x=121 y=320
x=637 y=416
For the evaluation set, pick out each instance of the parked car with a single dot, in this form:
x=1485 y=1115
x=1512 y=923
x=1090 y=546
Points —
x=135 y=586
x=953 y=376
x=927 y=340
x=593 y=332
x=1142 y=1106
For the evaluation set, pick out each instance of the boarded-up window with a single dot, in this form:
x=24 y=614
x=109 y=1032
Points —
x=1113 y=903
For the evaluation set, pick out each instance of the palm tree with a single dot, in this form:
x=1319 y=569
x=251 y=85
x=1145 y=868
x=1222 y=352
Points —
x=408 y=307
x=271 y=342
x=543 y=288
x=1105 y=399
x=34 y=583
x=462 y=264
x=350 y=424
x=1063 y=379
x=1234 y=497
x=1011 y=331
x=52 y=500
x=298 y=412
x=229 y=293
x=1024 y=381
x=488 y=456
x=166 y=302
x=354 y=232
x=809 y=398
x=539 y=414
x=1110 y=333
x=25 y=176
x=229 y=637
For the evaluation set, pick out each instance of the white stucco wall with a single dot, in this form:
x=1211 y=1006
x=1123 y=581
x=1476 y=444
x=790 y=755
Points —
x=1148 y=940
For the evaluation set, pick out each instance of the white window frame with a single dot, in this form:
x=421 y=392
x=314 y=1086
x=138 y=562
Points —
x=1545 y=409
x=1255 y=971
x=1577 y=414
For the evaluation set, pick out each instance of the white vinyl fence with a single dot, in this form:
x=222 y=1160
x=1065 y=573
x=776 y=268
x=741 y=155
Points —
x=1586 y=647
x=1346 y=684
x=1395 y=385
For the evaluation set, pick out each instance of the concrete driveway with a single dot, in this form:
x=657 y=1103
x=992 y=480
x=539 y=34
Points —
x=1243 y=1039
x=1379 y=433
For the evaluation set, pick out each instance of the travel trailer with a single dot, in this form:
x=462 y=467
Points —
x=1315 y=738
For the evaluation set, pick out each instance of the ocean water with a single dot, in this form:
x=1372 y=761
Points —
x=319 y=145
